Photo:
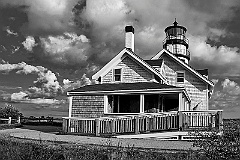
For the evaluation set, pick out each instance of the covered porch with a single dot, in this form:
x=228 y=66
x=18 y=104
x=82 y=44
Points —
x=133 y=109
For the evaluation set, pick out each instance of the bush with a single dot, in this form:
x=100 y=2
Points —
x=9 y=111
x=221 y=146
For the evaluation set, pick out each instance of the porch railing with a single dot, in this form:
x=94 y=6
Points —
x=143 y=123
x=200 y=119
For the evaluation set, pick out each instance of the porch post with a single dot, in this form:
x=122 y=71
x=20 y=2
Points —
x=105 y=104
x=180 y=121
x=180 y=102
x=70 y=99
x=142 y=103
x=70 y=106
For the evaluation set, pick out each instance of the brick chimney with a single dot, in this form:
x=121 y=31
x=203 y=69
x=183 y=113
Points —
x=129 y=37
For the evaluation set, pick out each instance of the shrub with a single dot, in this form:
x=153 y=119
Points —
x=9 y=111
x=220 y=146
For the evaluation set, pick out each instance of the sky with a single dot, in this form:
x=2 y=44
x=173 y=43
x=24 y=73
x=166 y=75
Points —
x=50 y=47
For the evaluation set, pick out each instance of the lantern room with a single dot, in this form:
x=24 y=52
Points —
x=176 y=42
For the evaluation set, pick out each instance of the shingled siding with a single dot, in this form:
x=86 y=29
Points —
x=87 y=106
x=131 y=72
x=196 y=89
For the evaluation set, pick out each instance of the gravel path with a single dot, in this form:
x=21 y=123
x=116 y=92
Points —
x=139 y=143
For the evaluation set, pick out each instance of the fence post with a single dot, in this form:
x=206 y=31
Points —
x=147 y=124
x=64 y=125
x=113 y=126
x=9 y=120
x=220 y=121
x=212 y=121
x=97 y=125
x=69 y=125
x=19 y=120
x=180 y=121
x=136 y=125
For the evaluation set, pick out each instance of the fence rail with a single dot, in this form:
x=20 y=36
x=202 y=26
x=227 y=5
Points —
x=9 y=120
x=26 y=120
x=143 y=123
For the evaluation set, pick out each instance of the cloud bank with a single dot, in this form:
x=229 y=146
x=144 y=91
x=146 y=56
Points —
x=84 y=33
x=227 y=96
x=45 y=88
x=46 y=84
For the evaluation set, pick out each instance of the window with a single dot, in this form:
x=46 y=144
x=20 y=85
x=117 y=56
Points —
x=117 y=75
x=180 y=77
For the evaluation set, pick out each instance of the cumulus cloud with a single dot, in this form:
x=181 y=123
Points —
x=231 y=87
x=221 y=56
x=21 y=67
x=67 y=49
x=46 y=84
x=68 y=84
x=215 y=81
x=6 y=67
x=29 y=43
x=227 y=96
x=19 y=96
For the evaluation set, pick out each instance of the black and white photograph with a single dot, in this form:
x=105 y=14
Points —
x=119 y=79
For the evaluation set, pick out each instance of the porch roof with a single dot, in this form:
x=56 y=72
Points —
x=124 y=87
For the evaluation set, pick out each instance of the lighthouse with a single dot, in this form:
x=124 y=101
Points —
x=176 y=42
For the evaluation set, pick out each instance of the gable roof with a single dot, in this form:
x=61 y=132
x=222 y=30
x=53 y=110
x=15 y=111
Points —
x=186 y=66
x=119 y=57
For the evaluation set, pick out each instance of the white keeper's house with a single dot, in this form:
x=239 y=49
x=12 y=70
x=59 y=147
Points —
x=135 y=95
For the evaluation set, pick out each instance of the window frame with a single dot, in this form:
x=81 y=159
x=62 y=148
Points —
x=114 y=79
x=182 y=77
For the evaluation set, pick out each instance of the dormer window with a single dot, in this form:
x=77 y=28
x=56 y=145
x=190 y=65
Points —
x=117 y=75
x=180 y=77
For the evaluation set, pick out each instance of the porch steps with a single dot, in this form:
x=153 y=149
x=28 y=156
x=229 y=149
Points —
x=159 y=136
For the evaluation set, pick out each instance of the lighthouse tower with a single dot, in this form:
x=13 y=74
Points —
x=176 y=42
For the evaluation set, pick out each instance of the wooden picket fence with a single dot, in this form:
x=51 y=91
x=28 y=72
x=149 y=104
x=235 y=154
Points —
x=9 y=120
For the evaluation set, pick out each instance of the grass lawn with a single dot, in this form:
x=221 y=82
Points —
x=43 y=128
x=18 y=149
